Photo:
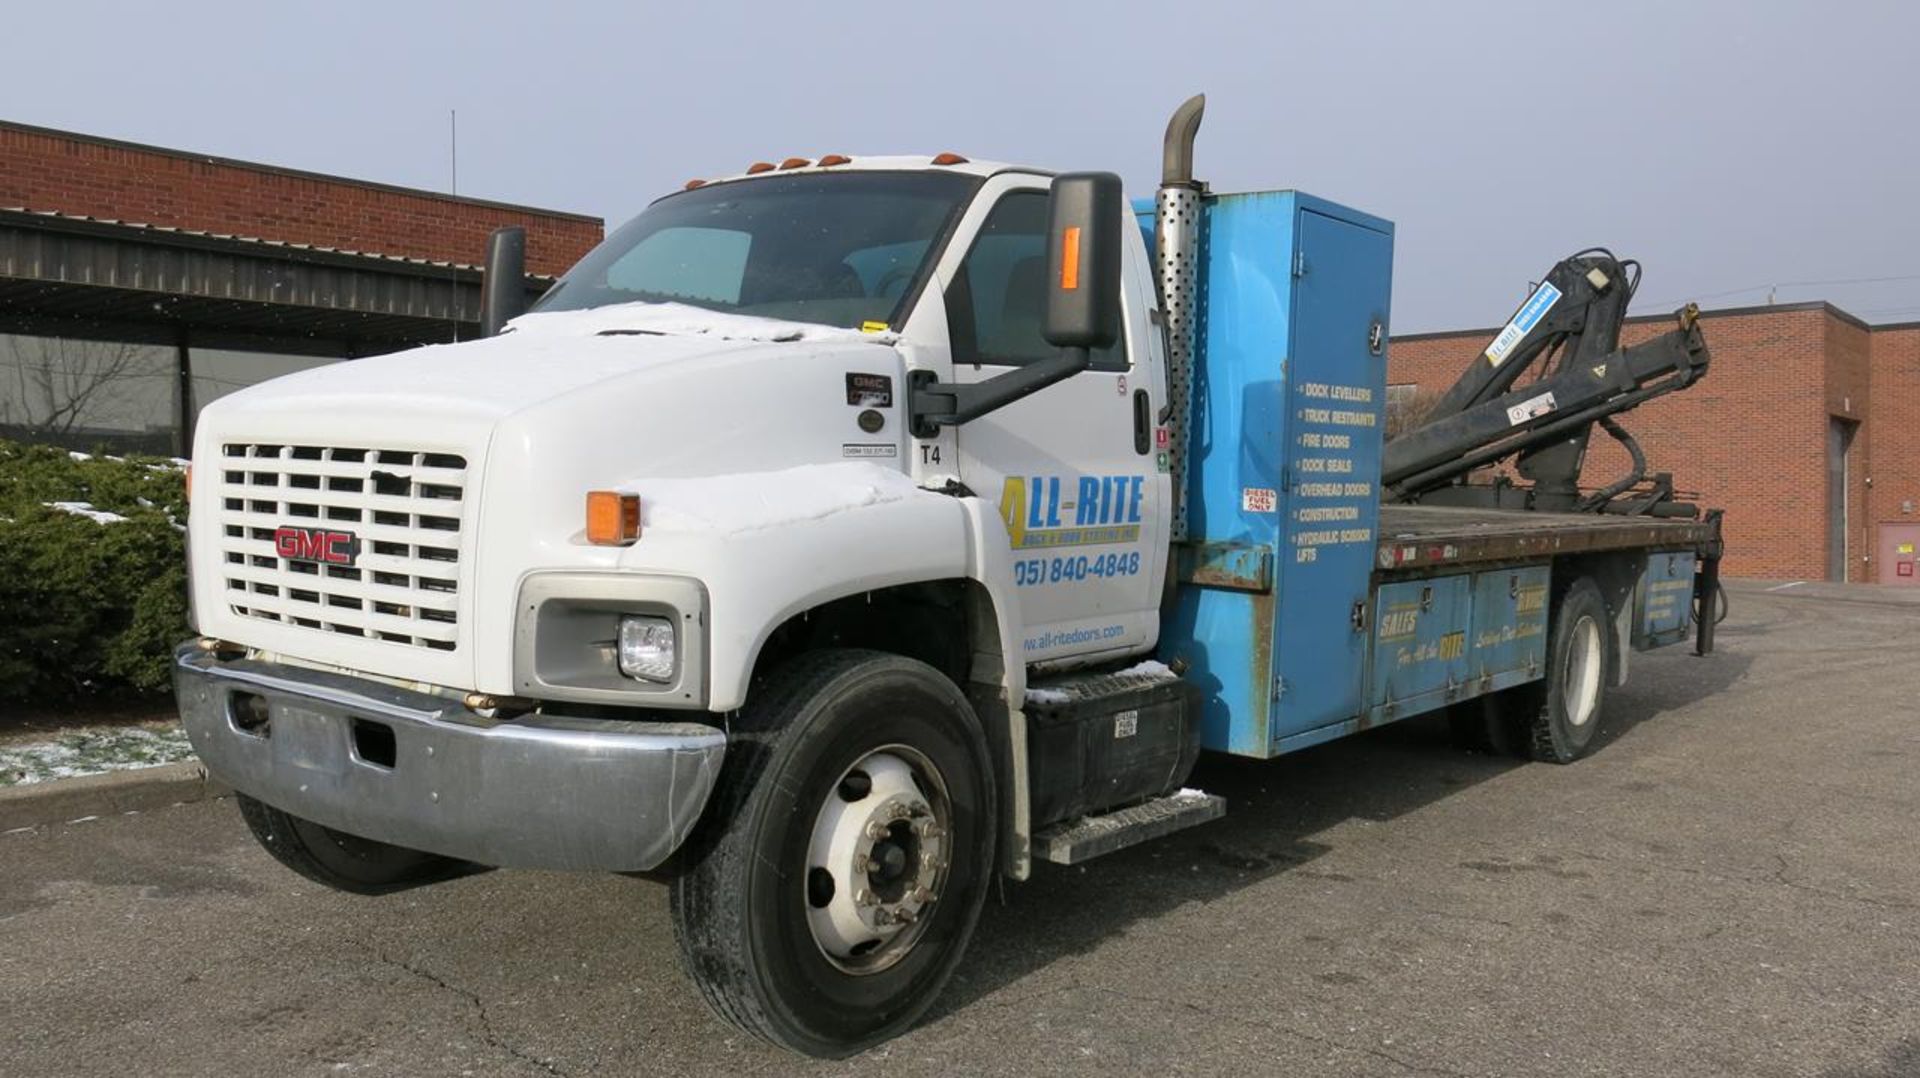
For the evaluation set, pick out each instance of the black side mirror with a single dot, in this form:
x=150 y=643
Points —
x=503 y=288
x=1083 y=261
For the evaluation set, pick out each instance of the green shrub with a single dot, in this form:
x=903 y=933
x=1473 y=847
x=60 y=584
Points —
x=88 y=607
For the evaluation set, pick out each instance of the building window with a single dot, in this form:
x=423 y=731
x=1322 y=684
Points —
x=220 y=371
x=83 y=394
x=123 y=395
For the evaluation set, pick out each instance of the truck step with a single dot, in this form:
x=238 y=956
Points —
x=1075 y=841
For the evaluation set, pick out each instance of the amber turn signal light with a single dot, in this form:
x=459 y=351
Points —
x=613 y=518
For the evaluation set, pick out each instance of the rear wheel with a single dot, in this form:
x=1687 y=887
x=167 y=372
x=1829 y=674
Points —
x=1487 y=724
x=1555 y=719
x=842 y=864
x=341 y=861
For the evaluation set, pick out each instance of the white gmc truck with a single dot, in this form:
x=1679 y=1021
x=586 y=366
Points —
x=842 y=534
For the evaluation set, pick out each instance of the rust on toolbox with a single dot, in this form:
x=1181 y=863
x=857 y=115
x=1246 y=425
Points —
x=1233 y=566
x=1262 y=611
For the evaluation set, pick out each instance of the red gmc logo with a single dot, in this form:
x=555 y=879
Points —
x=315 y=544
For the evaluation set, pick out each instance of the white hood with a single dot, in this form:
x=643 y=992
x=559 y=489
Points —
x=540 y=357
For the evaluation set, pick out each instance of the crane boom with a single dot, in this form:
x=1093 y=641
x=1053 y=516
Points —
x=1568 y=332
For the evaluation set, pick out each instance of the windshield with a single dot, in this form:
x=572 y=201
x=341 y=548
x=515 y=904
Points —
x=838 y=249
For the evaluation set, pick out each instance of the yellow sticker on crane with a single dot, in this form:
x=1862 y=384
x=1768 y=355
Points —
x=874 y=327
x=1904 y=548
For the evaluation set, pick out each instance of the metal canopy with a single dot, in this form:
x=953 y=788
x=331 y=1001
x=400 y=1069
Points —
x=69 y=268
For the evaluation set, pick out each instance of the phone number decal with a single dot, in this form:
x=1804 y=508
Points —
x=1032 y=571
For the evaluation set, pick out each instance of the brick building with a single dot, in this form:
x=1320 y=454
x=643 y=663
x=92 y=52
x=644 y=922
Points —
x=1803 y=430
x=137 y=283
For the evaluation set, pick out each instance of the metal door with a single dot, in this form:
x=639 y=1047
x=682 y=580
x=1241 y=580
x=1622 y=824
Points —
x=1899 y=564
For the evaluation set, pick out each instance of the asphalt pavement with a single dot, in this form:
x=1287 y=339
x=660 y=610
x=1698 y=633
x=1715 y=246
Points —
x=1730 y=887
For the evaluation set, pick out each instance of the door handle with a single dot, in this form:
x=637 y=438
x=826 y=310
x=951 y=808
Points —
x=1142 y=423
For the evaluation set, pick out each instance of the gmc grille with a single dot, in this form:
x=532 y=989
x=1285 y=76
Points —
x=403 y=508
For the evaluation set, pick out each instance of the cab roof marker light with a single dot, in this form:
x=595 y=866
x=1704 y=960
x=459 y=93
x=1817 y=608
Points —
x=949 y=159
x=758 y=167
x=833 y=159
x=613 y=518
x=794 y=162
x=691 y=184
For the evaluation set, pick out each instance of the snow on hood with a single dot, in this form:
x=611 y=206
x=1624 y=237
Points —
x=683 y=320
x=734 y=504
x=544 y=357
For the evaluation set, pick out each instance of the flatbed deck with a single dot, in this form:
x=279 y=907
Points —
x=1419 y=537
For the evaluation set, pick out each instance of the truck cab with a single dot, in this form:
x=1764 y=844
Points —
x=839 y=535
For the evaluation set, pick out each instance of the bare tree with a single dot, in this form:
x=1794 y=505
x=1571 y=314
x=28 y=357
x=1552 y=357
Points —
x=1405 y=411
x=58 y=383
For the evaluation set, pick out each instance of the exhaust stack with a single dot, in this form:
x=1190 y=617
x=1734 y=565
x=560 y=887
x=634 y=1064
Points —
x=1176 y=230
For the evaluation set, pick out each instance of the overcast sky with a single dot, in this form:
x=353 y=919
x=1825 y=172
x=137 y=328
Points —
x=1730 y=147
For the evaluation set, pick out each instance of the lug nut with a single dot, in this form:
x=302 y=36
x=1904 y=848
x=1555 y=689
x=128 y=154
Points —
x=876 y=830
x=922 y=895
x=863 y=897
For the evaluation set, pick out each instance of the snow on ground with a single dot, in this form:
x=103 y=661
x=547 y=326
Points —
x=734 y=504
x=171 y=464
x=684 y=320
x=92 y=751
x=83 y=509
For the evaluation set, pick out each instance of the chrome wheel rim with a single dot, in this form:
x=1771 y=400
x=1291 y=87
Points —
x=878 y=859
x=1580 y=688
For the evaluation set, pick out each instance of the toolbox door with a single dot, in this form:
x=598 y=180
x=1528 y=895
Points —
x=1336 y=384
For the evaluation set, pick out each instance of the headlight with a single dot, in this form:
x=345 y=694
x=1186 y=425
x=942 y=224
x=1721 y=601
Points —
x=647 y=648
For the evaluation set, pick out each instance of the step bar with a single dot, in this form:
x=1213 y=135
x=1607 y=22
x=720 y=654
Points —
x=1075 y=842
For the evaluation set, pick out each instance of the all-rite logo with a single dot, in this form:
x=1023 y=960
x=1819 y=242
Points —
x=1102 y=509
x=316 y=545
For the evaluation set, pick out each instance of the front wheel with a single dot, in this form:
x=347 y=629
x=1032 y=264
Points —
x=838 y=875
x=341 y=861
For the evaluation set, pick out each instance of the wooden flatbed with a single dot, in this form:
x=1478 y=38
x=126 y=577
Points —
x=1423 y=537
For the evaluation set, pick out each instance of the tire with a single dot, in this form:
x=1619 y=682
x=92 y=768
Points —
x=811 y=767
x=1485 y=724
x=1557 y=717
x=341 y=861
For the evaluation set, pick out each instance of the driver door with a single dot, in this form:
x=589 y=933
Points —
x=1076 y=468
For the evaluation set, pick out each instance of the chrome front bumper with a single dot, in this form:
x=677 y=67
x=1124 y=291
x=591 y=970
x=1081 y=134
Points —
x=540 y=791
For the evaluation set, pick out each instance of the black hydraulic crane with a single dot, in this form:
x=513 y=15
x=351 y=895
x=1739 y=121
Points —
x=1568 y=334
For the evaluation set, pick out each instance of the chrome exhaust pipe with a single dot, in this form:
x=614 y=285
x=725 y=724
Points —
x=1176 y=230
